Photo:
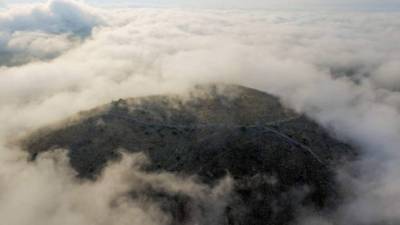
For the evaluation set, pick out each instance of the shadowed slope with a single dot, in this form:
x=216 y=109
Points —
x=280 y=160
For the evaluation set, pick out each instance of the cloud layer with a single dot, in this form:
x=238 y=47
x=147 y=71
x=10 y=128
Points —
x=43 y=31
x=338 y=68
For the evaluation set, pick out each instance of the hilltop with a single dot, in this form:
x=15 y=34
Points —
x=213 y=131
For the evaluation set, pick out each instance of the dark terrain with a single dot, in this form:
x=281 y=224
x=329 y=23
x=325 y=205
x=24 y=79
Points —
x=271 y=152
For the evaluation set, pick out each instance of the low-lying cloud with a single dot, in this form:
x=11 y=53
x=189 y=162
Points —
x=47 y=192
x=338 y=68
x=43 y=31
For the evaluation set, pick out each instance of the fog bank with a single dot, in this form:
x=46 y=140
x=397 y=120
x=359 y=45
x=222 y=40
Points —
x=61 y=57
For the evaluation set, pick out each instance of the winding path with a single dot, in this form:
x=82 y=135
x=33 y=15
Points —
x=266 y=127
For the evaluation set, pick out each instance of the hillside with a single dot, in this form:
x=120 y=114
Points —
x=215 y=130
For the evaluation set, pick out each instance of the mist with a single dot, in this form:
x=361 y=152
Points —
x=63 y=56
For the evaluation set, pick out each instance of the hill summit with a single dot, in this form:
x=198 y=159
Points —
x=213 y=130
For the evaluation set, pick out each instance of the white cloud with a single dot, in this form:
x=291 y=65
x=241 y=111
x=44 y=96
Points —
x=56 y=16
x=339 y=68
x=43 y=31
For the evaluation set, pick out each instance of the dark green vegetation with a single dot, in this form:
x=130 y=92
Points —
x=280 y=161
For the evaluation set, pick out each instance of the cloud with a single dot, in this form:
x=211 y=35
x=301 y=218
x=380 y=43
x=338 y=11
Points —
x=47 y=192
x=43 y=31
x=338 y=67
x=56 y=16
x=263 y=4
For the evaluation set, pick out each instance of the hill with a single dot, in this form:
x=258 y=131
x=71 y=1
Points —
x=214 y=130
